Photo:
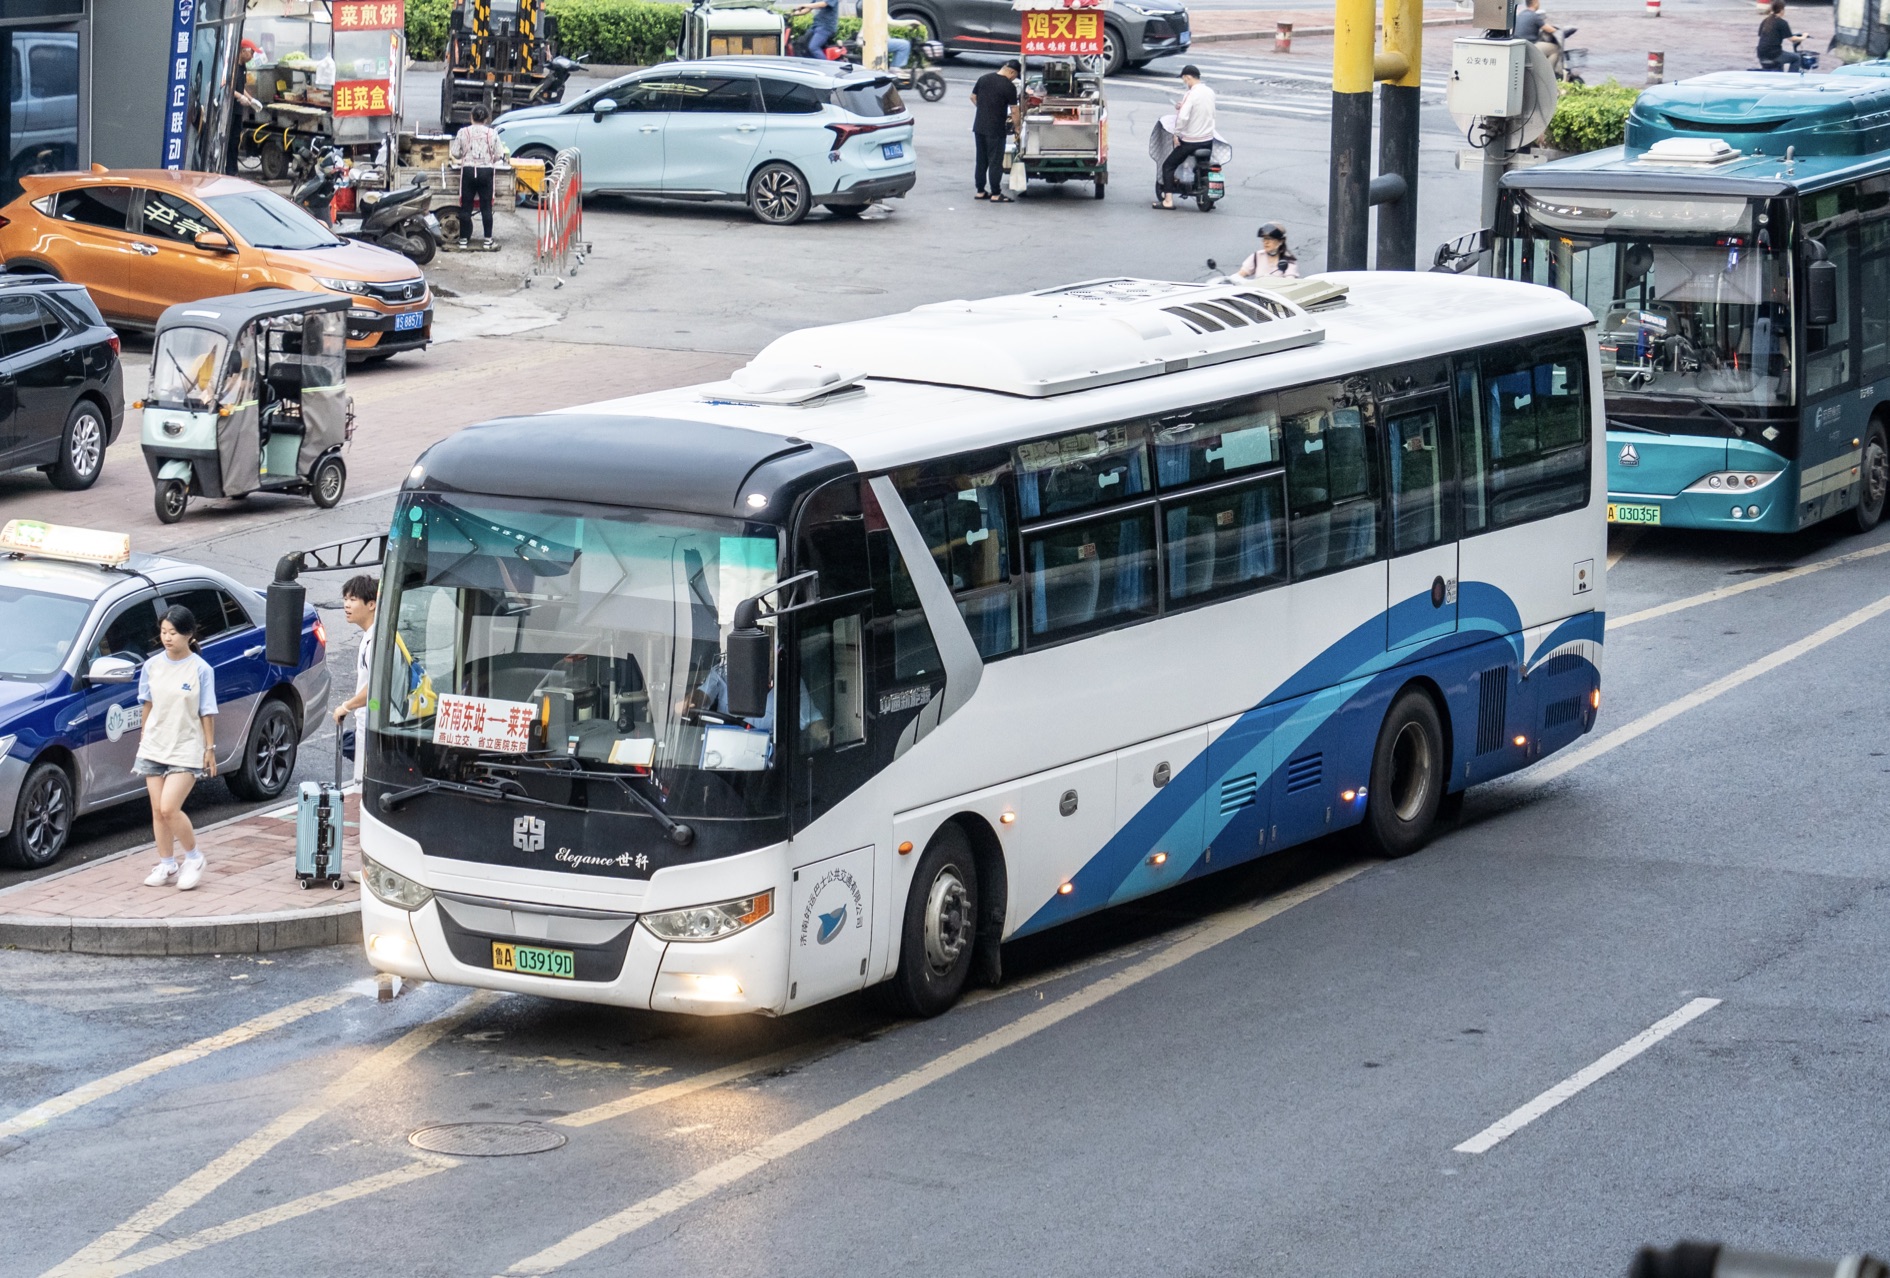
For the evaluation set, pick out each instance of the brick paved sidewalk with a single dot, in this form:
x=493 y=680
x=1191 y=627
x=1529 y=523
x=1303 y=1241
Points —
x=248 y=901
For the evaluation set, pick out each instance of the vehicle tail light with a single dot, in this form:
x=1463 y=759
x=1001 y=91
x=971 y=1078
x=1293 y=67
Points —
x=321 y=634
x=5 y=222
x=118 y=347
x=841 y=132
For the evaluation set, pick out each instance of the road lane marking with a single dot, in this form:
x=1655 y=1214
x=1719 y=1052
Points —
x=1519 y=1118
x=688 y=1086
x=1223 y=927
x=282 y=1213
x=98 y=1089
x=193 y=1189
x=1757 y=583
x=1569 y=761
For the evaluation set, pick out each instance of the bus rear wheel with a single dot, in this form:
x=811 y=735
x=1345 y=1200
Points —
x=1873 y=473
x=940 y=935
x=1408 y=775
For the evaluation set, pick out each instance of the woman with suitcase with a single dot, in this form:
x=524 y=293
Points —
x=177 y=743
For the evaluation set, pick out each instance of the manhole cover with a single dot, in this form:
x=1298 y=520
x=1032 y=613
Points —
x=487 y=1140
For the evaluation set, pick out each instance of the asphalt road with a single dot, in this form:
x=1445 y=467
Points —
x=1268 y=1071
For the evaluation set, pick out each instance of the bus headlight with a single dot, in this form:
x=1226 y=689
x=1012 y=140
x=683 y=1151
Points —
x=1734 y=481
x=396 y=890
x=710 y=922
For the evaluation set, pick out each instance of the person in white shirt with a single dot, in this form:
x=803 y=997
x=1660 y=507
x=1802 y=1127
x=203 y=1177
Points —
x=1194 y=131
x=177 y=743
x=360 y=600
x=1273 y=260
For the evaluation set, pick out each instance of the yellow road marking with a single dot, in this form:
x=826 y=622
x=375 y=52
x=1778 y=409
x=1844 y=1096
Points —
x=1568 y=762
x=419 y=1169
x=193 y=1189
x=1757 y=583
x=1213 y=932
x=98 y=1089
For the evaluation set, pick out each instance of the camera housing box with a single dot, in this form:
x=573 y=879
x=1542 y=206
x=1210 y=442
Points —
x=1486 y=76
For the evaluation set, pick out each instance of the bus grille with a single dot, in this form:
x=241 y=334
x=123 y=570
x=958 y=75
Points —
x=1567 y=710
x=1562 y=663
x=1304 y=772
x=1492 y=709
x=1239 y=792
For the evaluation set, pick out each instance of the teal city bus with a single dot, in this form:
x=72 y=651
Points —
x=1736 y=253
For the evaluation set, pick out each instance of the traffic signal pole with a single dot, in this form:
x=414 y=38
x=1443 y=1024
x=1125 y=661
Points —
x=1348 y=209
x=1401 y=69
x=873 y=34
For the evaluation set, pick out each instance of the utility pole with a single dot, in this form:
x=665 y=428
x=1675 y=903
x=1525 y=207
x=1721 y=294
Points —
x=873 y=34
x=1348 y=215
x=1401 y=68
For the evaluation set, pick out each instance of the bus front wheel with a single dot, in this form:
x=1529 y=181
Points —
x=1873 y=473
x=940 y=935
x=1409 y=770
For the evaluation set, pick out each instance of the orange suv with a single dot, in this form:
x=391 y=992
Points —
x=141 y=239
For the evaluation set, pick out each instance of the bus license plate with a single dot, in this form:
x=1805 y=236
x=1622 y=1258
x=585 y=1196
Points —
x=1619 y=514
x=533 y=961
x=410 y=321
x=892 y=150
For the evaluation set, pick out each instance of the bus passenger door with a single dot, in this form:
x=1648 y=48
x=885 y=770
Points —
x=1421 y=523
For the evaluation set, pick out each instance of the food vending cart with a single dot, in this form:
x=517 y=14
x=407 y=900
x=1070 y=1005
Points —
x=1063 y=130
x=326 y=69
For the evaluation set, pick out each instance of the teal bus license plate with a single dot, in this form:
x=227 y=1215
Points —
x=533 y=961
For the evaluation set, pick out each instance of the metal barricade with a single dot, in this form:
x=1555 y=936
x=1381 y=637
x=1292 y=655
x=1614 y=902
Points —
x=561 y=247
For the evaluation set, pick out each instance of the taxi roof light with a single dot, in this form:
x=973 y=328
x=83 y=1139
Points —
x=60 y=541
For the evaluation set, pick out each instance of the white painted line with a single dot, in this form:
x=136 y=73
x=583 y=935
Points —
x=419 y=1169
x=98 y=1089
x=1567 y=762
x=1757 y=583
x=194 y=1188
x=1514 y=1121
x=687 y=1086
x=1221 y=928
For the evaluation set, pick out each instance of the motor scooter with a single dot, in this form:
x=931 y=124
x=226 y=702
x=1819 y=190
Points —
x=321 y=169
x=550 y=90
x=1573 y=61
x=400 y=220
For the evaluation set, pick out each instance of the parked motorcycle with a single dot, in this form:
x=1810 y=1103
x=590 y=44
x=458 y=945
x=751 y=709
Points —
x=316 y=169
x=550 y=90
x=400 y=220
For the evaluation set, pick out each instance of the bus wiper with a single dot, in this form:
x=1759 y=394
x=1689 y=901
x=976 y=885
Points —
x=1738 y=428
x=1615 y=423
x=511 y=790
x=678 y=833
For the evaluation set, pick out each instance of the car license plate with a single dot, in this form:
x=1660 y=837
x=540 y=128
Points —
x=533 y=961
x=410 y=321
x=1184 y=39
x=1622 y=514
x=893 y=150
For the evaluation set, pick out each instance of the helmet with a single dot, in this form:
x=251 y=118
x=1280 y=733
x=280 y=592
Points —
x=1272 y=231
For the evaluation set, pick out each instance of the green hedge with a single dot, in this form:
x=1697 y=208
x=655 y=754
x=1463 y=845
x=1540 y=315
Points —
x=1589 y=117
x=633 y=32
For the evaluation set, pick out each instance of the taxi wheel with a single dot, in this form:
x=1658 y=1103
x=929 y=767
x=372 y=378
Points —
x=778 y=194
x=328 y=482
x=42 y=818
x=173 y=495
x=940 y=936
x=1407 y=778
x=81 y=448
x=268 y=756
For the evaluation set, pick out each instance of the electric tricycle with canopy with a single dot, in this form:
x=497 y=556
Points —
x=249 y=394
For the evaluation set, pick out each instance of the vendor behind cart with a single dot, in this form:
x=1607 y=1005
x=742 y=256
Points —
x=1194 y=130
x=242 y=100
x=996 y=100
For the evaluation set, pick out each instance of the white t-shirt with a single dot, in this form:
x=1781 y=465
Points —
x=1194 y=117
x=1259 y=266
x=363 y=663
x=180 y=694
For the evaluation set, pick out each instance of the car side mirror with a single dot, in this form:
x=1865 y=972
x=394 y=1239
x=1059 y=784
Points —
x=1821 y=294
x=112 y=670
x=603 y=107
x=215 y=241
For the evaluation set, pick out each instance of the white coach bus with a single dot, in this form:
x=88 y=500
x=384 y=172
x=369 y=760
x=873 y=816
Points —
x=1066 y=598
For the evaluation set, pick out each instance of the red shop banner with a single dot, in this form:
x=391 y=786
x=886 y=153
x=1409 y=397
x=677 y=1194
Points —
x=363 y=97
x=1062 y=33
x=369 y=15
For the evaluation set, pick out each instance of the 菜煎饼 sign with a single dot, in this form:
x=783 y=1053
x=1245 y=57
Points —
x=356 y=94
x=1062 y=33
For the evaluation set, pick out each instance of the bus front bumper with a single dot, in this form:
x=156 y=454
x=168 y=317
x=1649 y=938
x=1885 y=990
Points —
x=1760 y=511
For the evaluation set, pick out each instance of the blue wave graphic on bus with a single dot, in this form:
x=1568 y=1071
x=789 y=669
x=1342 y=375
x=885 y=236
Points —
x=1275 y=777
x=830 y=924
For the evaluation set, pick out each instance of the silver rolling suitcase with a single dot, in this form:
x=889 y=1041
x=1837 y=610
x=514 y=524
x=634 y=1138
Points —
x=318 y=819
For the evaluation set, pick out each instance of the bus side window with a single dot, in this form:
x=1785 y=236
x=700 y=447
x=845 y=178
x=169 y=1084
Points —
x=962 y=508
x=1332 y=486
x=1473 y=457
x=903 y=649
x=1828 y=349
x=833 y=684
x=1534 y=424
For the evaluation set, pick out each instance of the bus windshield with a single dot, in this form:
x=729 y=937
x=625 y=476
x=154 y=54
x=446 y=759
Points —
x=1691 y=300
x=531 y=636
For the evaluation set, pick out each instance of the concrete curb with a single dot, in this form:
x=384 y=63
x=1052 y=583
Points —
x=337 y=924
x=1226 y=37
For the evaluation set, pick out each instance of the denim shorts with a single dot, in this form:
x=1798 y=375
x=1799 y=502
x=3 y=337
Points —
x=152 y=768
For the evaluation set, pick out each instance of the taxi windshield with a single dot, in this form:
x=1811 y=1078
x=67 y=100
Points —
x=184 y=368
x=37 y=630
x=591 y=635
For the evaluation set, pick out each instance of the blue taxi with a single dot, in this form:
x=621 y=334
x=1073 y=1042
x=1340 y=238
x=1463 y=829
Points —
x=78 y=616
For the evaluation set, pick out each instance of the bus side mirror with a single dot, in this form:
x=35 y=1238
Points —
x=750 y=661
x=282 y=638
x=1821 y=294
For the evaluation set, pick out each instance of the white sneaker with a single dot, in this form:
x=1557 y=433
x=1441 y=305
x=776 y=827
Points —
x=193 y=870
x=161 y=873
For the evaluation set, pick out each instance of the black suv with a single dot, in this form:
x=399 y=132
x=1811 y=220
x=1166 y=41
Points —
x=1134 y=34
x=62 y=391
